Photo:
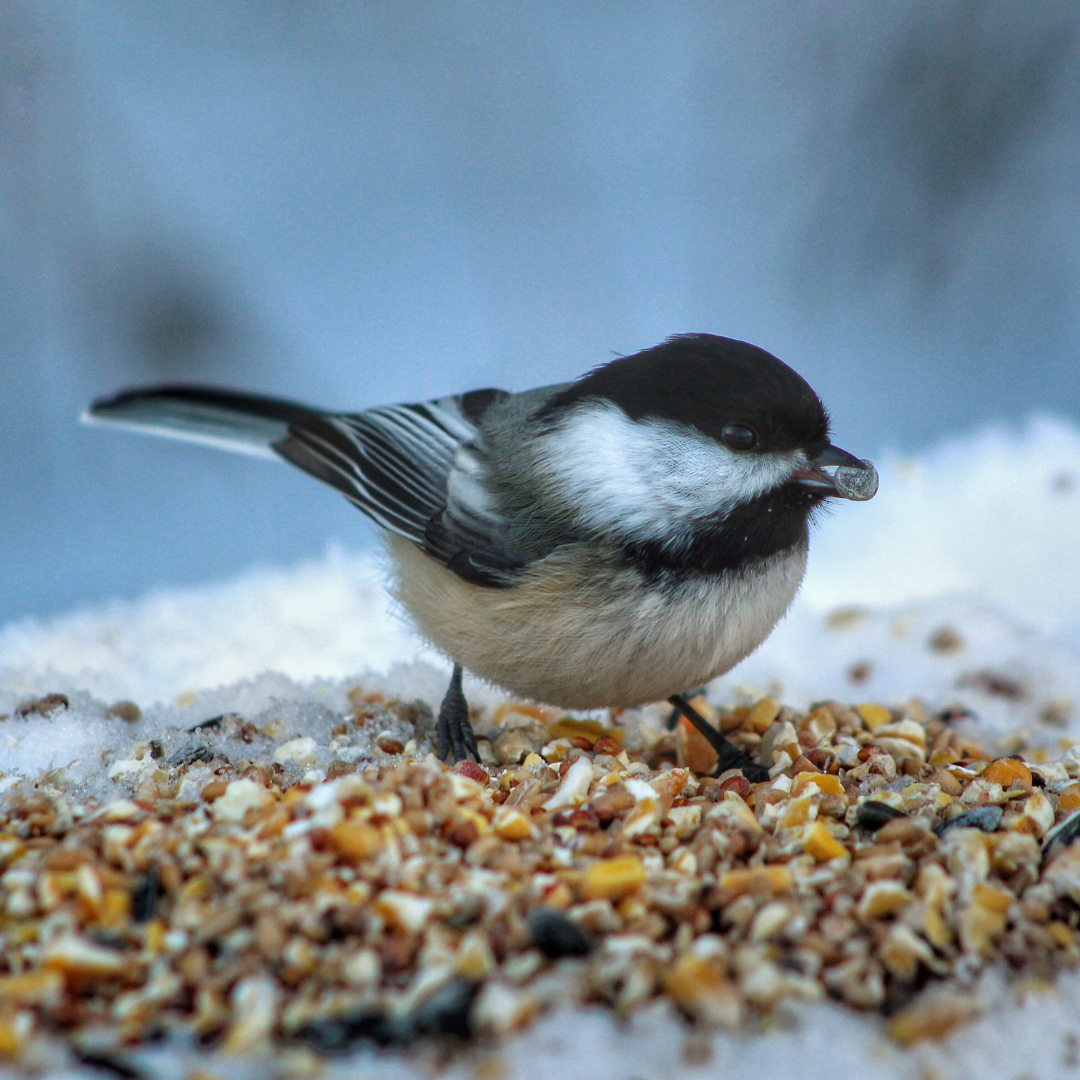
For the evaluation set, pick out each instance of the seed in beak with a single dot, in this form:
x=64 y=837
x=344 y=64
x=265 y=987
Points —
x=856 y=483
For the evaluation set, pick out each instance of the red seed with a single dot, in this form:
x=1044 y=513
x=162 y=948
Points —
x=319 y=838
x=464 y=833
x=739 y=784
x=607 y=745
x=473 y=771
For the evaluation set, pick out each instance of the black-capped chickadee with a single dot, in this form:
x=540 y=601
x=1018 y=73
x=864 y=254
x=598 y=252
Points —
x=601 y=543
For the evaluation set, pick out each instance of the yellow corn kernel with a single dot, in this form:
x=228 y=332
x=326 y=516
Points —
x=944 y=756
x=511 y=824
x=10 y=1043
x=354 y=840
x=821 y=843
x=996 y=900
x=155 y=936
x=797 y=812
x=562 y=895
x=115 y=908
x=568 y=727
x=824 y=782
x=1062 y=934
x=474 y=958
x=935 y=928
x=874 y=716
x=933 y=1017
x=1005 y=771
x=40 y=987
x=701 y=990
x=610 y=879
x=763 y=714
x=773 y=879
x=195 y=888
x=880 y=899
x=478 y=820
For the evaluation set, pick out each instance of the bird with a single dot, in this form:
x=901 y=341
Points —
x=603 y=543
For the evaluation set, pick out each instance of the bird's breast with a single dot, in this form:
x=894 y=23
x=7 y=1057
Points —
x=582 y=629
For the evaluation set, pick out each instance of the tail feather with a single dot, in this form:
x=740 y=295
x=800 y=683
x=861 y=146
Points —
x=244 y=423
x=391 y=462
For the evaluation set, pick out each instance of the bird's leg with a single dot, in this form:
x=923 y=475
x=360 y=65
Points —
x=687 y=695
x=729 y=755
x=453 y=727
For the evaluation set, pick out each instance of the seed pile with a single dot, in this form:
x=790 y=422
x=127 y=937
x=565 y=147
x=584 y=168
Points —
x=255 y=903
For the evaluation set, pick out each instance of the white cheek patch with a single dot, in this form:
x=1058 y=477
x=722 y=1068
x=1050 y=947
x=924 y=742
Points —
x=645 y=479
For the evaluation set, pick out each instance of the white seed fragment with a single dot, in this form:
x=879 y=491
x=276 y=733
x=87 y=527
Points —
x=902 y=951
x=299 y=752
x=770 y=921
x=125 y=767
x=1039 y=810
x=240 y=797
x=77 y=957
x=388 y=804
x=254 y=1002
x=362 y=968
x=500 y=1008
x=121 y=809
x=1063 y=873
x=574 y=787
x=641 y=819
x=464 y=788
x=685 y=820
x=405 y=911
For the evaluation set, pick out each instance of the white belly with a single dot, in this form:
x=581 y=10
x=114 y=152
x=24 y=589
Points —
x=586 y=634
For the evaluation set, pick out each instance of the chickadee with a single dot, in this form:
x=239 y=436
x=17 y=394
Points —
x=602 y=543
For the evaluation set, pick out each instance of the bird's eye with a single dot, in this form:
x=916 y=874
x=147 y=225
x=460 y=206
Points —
x=738 y=437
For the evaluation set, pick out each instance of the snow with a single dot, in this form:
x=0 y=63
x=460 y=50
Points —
x=972 y=545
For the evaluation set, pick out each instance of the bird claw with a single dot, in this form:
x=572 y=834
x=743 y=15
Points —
x=755 y=773
x=729 y=756
x=453 y=729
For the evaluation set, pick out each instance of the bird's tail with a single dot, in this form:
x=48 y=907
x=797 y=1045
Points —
x=244 y=423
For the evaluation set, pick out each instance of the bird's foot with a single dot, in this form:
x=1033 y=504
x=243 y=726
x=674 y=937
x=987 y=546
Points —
x=729 y=755
x=453 y=728
x=738 y=759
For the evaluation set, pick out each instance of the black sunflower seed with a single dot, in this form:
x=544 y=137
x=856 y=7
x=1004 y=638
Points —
x=987 y=818
x=873 y=814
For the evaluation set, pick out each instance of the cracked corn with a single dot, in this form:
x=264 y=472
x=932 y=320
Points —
x=257 y=903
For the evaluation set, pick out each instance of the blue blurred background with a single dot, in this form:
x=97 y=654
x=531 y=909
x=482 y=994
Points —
x=359 y=203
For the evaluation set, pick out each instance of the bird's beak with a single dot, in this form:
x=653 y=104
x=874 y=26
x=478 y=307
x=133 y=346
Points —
x=853 y=479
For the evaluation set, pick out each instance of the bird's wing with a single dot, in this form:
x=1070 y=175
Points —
x=417 y=470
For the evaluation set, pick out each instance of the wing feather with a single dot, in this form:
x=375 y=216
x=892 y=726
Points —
x=417 y=470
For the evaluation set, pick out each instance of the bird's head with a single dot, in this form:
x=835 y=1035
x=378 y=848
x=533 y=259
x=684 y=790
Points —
x=684 y=435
